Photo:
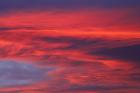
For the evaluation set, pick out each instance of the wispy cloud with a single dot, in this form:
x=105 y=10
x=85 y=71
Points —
x=81 y=46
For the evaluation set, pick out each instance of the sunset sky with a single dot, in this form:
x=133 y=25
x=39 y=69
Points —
x=69 y=46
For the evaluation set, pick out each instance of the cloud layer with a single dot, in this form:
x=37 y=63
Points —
x=72 y=46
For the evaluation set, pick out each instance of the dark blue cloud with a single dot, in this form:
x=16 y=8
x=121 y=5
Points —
x=75 y=43
x=129 y=53
x=6 y=5
x=4 y=28
x=101 y=87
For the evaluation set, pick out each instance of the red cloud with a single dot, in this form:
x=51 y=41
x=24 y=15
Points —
x=63 y=39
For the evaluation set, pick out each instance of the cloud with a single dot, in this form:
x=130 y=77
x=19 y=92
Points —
x=101 y=88
x=8 y=5
x=18 y=28
x=129 y=53
x=14 y=73
x=91 y=44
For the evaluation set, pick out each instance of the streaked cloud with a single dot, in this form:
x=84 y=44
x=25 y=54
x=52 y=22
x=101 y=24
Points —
x=82 y=46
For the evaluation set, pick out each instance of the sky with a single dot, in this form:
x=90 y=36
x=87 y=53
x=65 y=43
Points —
x=69 y=46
